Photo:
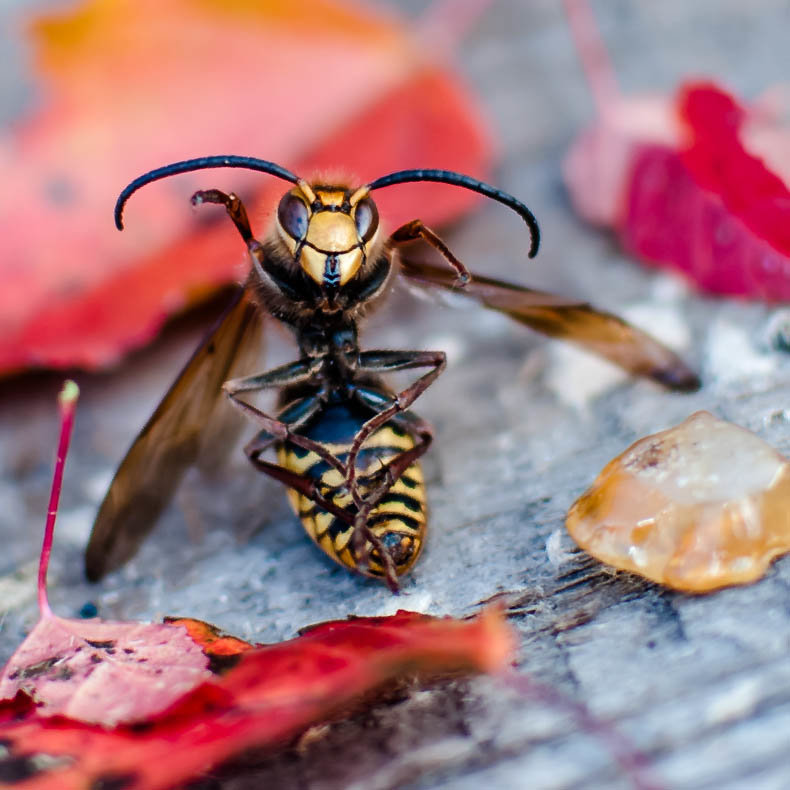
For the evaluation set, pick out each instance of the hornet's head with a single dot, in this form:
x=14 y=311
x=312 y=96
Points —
x=329 y=230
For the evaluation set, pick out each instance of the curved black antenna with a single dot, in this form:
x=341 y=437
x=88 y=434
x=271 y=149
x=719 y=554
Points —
x=460 y=180
x=203 y=163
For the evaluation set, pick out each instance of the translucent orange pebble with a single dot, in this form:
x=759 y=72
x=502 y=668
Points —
x=703 y=505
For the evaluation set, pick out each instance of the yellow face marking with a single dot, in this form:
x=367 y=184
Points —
x=331 y=231
x=330 y=197
x=331 y=241
x=314 y=263
x=307 y=190
x=362 y=192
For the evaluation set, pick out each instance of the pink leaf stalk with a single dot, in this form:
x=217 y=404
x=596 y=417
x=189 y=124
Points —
x=633 y=763
x=67 y=403
x=596 y=64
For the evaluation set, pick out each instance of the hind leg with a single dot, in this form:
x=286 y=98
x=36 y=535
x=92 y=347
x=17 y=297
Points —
x=309 y=488
x=378 y=484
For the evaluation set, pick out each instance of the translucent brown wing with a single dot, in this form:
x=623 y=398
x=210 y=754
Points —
x=578 y=322
x=173 y=437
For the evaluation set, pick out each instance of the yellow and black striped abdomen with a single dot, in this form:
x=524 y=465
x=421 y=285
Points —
x=398 y=520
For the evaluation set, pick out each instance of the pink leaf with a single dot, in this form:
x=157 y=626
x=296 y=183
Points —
x=103 y=672
x=97 y=672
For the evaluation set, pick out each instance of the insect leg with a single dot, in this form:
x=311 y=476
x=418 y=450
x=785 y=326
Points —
x=233 y=206
x=291 y=373
x=303 y=484
x=414 y=230
x=307 y=487
x=283 y=376
x=422 y=432
x=387 y=361
x=238 y=215
x=266 y=438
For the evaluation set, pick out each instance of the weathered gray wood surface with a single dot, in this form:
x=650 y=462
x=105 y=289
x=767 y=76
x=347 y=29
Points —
x=700 y=684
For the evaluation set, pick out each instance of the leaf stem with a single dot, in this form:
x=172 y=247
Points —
x=633 y=763
x=593 y=54
x=67 y=403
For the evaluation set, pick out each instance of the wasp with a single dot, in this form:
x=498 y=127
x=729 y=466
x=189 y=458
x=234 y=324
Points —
x=346 y=447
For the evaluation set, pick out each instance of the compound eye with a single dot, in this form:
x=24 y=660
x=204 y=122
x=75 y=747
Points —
x=293 y=216
x=366 y=217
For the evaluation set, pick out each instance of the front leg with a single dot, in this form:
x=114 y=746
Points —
x=238 y=215
x=414 y=230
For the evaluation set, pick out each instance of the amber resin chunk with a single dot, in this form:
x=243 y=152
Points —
x=700 y=506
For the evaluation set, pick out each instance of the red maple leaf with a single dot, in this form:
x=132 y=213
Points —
x=677 y=179
x=271 y=695
x=94 y=704
x=88 y=703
